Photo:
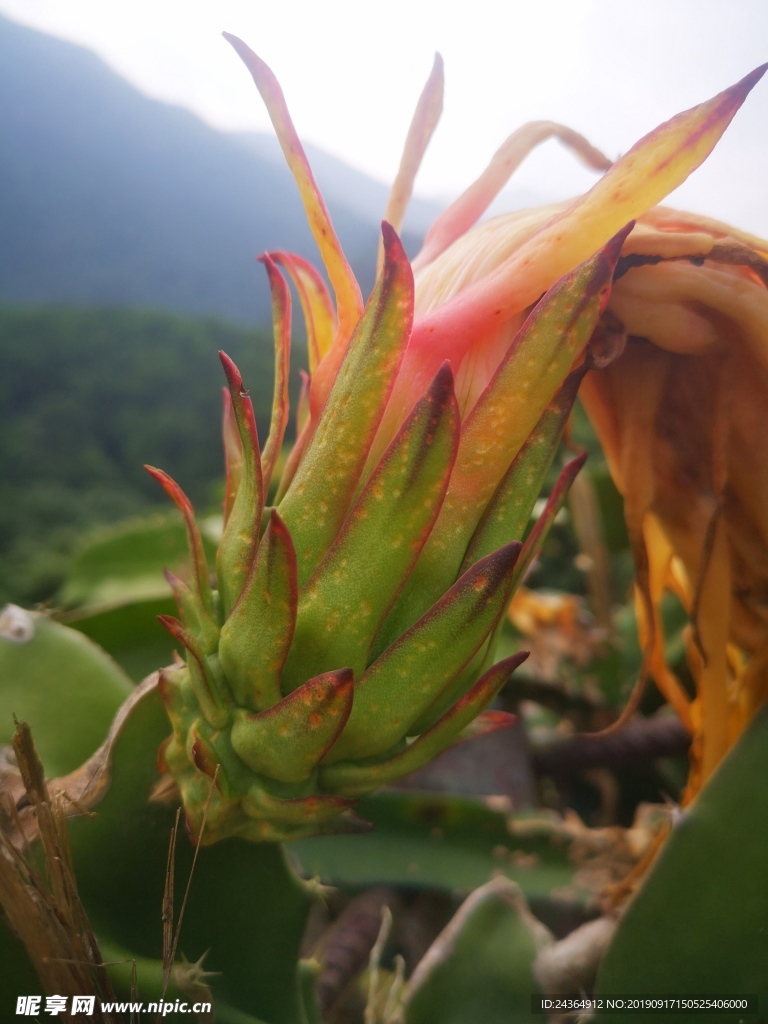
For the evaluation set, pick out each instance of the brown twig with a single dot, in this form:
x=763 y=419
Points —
x=45 y=911
x=642 y=740
x=346 y=946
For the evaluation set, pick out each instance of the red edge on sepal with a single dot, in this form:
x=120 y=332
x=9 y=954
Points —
x=195 y=541
x=488 y=685
x=243 y=409
x=396 y=262
x=177 y=631
x=492 y=721
x=174 y=492
x=535 y=538
x=282 y=536
x=233 y=452
x=204 y=758
x=330 y=688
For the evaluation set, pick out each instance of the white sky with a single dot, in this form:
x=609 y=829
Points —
x=351 y=71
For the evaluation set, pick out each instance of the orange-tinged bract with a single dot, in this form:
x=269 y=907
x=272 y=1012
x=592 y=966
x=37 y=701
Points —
x=350 y=635
x=680 y=416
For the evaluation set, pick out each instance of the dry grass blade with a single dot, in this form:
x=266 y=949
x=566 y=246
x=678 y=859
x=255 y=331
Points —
x=45 y=910
x=167 y=913
x=171 y=936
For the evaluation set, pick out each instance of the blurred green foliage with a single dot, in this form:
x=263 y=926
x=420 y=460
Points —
x=86 y=398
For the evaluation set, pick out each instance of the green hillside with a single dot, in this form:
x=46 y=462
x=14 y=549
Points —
x=86 y=398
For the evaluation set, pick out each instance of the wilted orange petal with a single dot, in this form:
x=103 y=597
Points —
x=660 y=556
x=705 y=297
x=713 y=626
x=665 y=219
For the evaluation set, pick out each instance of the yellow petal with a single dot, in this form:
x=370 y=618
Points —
x=651 y=169
x=425 y=118
x=345 y=287
x=472 y=204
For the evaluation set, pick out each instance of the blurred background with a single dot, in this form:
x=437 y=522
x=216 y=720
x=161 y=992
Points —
x=139 y=177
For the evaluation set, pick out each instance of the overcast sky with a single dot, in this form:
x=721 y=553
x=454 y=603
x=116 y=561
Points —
x=352 y=70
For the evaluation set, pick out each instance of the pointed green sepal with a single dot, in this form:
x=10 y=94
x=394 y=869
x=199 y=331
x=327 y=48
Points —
x=202 y=576
x=412 y=673
x=287 y=741
x=339 y=612
x=194 y=617
x=556 y=500
x=241 y=533
x=257 y=634
x=233 y=454
x=351 y=778
x=281 y=320
x=509 y=510
x=209 y=690
x=177 y=697
x=536 y=364
x=327 y=477
x=210 y=751
x=320 y=807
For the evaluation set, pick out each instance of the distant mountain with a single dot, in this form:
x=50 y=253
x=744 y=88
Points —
x=343 y=185
x=108 y=197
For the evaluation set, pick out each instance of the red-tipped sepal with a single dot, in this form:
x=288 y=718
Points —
x=555 y=502
x=241 y=533
x=209 y=689
x=418 y=668
x=350 y=778
x=287 y=741
x=281 y=321
x=203 y=595
x=329 y=473
x=257 y=634
x=233 y=453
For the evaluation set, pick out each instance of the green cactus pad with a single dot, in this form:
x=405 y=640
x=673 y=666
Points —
x=480 y=968
x=699 y=923
x=52 y=675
